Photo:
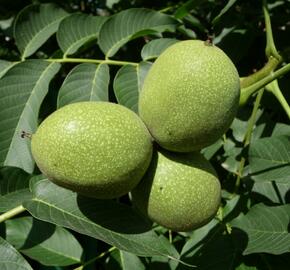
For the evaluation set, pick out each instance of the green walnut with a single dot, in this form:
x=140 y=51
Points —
x=190 y=96
x=180 y=191
x=98 y=149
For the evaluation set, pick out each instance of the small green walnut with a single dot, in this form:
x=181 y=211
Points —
x=180 y=191
x=190 y=96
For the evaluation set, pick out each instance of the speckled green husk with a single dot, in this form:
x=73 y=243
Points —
x=180 y=191
x=190 y=96
x=99 y=149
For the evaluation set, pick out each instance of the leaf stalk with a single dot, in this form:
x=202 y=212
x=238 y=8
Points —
x=247 y=138
x=274 y=88
x=12 y=213
x=247 y=92
x=95 y=61
x=95 y=258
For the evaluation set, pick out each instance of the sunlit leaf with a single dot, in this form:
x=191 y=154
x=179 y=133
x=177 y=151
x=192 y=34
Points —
x=281 y=129
x=128 y=83
x=77 y=29
x=43 y=242
x=22 y=91
x=276 y=192
x=266 y=228
x=270 y=159
x=85 y=82
x=34 y=25
x=10 y=258
x=132 y=23
x=4 y=67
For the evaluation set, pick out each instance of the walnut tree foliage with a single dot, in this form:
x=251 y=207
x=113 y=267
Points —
x=54 y=53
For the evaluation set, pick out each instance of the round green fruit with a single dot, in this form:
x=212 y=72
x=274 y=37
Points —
x=98 y=149
x=190 y=96
x=179 y=191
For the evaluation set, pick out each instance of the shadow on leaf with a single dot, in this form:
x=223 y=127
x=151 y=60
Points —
x=113 y=216
x=39 y=232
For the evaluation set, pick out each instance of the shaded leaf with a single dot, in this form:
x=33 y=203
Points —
x=194 y=22
x=77 y=29
x=185 y=9
x=209 y=151
x=128 y=83
x=231 y=154
x=130 y=24
x=22 y=91
x=123 y=260
x=275 y=262
x=188 y=32
x=10 y=258
x=224 y=10
x=229 y=37
x=43 y=242
x=266 y=228
x=217 y=251
x=245 y=267
x=34 y=25
x=161 y=262
x=155 y=47
x=14 y=188
x=85 y=82
x=199 y=237
x=231 y=204
x=269 y=159
x=107 y=220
